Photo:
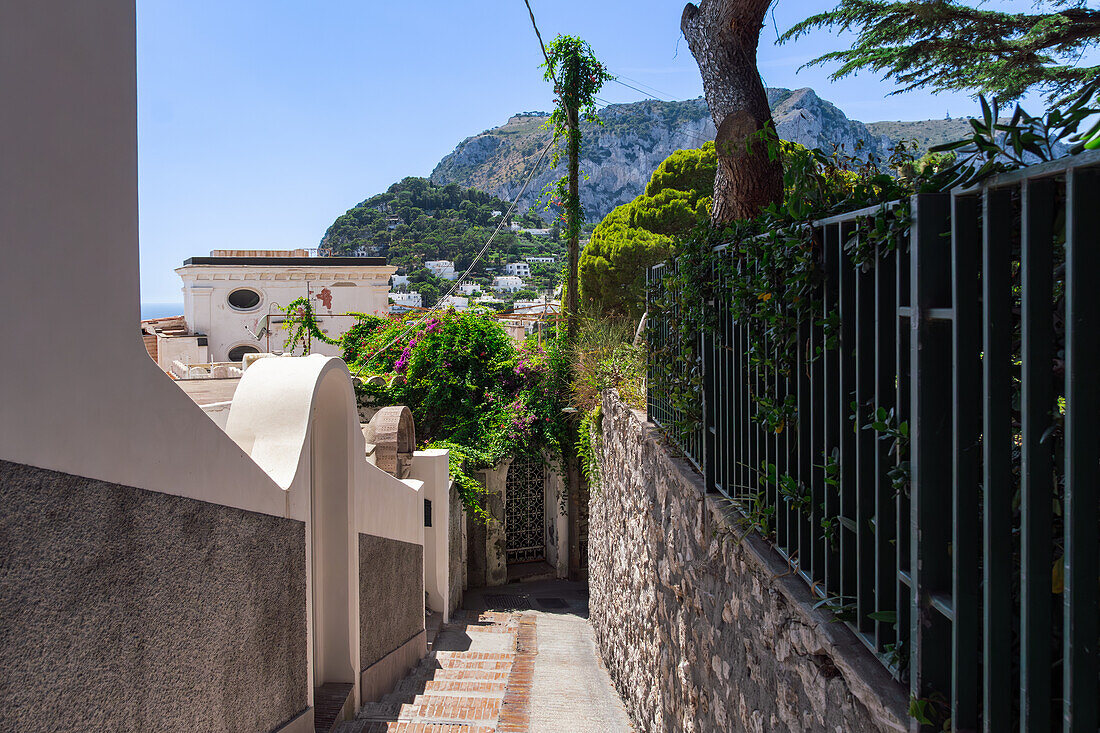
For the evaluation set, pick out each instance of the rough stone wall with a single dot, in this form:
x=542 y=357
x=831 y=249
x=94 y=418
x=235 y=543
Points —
x=391 y=595
x=701 y=632
x=130 y=610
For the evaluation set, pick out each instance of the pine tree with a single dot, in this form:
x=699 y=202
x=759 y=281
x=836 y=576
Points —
x=955 y=46
x=723 y=36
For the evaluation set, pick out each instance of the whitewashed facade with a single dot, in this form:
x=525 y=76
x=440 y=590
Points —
x=444 y=269
x=507 y=283
x=234 y=299
x=519 y=269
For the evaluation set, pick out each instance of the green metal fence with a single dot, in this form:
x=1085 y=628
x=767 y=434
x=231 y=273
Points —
x=967 y=558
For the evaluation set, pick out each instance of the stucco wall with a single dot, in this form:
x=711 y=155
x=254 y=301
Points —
x=456 y=551
x=391 y=595
x=701 y=632
x=123 y=609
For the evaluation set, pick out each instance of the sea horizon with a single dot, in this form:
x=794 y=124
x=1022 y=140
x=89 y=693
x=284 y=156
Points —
x=160 y=310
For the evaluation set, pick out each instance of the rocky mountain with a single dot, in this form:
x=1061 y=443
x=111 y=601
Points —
x=925 y=133
x=619 y=155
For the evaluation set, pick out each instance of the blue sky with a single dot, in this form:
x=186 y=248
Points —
x=261 y=122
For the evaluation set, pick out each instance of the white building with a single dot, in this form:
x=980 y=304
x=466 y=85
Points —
x=404 y=301
x=442 y=268
x=536 y=307
x=455 y=301
x=507 y=283
x=469 y=289
x=519 y=269
x=541 y=259
x=232 y=301
x=398 y=281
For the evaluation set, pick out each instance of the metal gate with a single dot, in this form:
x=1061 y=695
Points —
x=524 y=510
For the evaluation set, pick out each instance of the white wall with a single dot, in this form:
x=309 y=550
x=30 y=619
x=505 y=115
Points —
x=431 y=467
x=68 y=220
x=68 y=134
x=207 y=310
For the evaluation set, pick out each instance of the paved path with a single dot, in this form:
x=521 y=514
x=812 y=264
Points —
x=520 y=659
x=571 y=690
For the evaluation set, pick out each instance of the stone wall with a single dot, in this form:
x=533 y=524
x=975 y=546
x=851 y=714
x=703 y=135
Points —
x=124 y=609
x=701 y=632
x=391 y=596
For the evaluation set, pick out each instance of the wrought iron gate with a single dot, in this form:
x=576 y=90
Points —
x=524 y=510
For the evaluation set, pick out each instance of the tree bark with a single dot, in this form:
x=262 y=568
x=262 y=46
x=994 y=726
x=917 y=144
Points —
x=722 y=36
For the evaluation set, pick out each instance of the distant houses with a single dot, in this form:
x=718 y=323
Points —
x=444 y=269
x=518 y=269
x=404 y=301
x=534 y=260
x=507 y=283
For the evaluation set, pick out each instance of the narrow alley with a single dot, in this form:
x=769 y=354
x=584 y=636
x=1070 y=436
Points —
x=517 y=658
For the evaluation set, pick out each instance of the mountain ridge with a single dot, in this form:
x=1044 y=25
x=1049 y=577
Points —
x=619 y=155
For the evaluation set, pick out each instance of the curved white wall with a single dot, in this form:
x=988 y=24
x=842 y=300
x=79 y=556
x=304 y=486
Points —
x=78 y=392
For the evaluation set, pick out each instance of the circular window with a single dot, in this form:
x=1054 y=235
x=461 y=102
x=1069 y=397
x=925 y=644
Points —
x=237 y=352
x=244 y=299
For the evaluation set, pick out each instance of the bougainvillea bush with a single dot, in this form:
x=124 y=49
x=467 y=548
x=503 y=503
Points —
x=470 y=387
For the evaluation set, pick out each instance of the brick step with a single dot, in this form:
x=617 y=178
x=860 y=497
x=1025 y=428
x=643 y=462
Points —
x=397 y=698
x=464 y=687
x=404 y=726
x=443 y=709
x=476 y=674
x=451 y=659
x=409 y=685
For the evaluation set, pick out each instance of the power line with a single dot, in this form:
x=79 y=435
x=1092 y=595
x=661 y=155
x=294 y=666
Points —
x=655 y=90
x=640 y=91
x=480 y=254
x=549 y=66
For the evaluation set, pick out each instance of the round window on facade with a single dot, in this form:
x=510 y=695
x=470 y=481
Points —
x=244 y=299
x=237 y=352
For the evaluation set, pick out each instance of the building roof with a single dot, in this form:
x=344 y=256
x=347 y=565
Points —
x=285 y=261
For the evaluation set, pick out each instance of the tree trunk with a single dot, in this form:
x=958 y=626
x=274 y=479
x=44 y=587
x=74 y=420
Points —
x=722 y=36
x=574 y=228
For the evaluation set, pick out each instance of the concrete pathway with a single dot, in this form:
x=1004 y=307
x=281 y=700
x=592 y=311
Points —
x=520 y=659
x=571 y=689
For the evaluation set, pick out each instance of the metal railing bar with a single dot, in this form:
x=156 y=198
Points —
x=965 y=463
x=930 y=441
x=1086 y=159
x=998 y=486
x=1081 y=668
x=1037 y=201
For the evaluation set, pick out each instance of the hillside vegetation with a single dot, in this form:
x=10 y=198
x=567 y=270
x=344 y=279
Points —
x=416 y=220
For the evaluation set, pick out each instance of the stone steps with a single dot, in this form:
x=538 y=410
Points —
x=449 y=691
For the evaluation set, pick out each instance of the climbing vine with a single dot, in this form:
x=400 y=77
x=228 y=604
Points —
x=301 y=323
x=577 y=76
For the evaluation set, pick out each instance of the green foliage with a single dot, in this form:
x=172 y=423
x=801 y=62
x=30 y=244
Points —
x=960 y=46
x=468 y=385
x=995 y=146
x=588 y=444
x=640 y=234
x=301 y=323
x=686 y=170
x=612 y=267
x=605 y=357
x=578 y=76
x=416 y=220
